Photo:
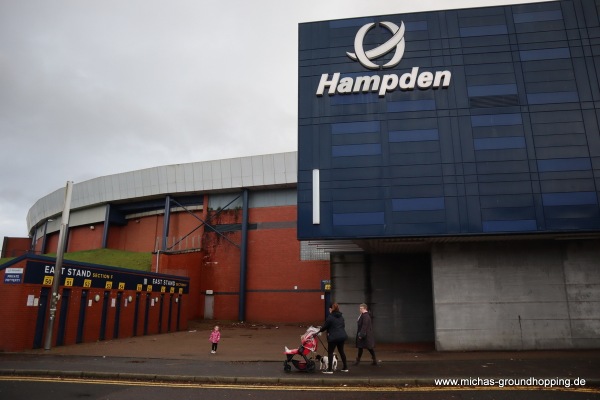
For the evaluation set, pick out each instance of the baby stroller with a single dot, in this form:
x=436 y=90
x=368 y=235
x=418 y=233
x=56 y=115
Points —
x=308 y=345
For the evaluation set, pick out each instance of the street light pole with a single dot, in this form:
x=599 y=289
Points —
x=60 y=251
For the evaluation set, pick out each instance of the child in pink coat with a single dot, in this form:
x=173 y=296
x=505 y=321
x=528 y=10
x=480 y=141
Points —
x=214 y=338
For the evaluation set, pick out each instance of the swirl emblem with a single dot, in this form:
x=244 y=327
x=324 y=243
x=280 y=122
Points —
x=395 y=42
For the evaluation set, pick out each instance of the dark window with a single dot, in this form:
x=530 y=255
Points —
x=356 y=98
x=350 y=150
x=496 y=120
x=346 y=23
x=417 y=135
x=514 y=142
x=355 y=127
x=537 y=16
x=484 y=30
x=555 y=97
x=420 y=204
x=492 y=90
x=411 y=105
x=509 y=226
x=416 y=25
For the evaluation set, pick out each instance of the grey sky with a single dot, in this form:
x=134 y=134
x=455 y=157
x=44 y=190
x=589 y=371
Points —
x=92 y=88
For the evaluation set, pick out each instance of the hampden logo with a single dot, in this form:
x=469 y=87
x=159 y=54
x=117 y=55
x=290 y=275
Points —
x=336 y=84
x=397 y=42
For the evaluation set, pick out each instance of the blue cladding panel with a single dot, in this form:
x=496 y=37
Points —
x=565 y=164
x=545 y=54
x=509 y=146
x=376 y=218
x=569 y=199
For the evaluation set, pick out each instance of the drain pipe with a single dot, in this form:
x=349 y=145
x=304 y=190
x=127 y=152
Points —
x=243 y=258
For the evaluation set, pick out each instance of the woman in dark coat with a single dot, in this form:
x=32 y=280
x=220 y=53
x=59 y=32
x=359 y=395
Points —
x=336 y=336
x=365 y=338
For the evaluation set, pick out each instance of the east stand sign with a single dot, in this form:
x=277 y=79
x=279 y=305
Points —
x=73 y=275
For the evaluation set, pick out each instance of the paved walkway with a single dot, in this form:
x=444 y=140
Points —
x=253 y=353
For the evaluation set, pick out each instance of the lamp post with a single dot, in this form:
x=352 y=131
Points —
x=60 y=251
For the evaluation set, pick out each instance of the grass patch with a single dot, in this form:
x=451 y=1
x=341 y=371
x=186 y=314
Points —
x=5 y=260
x=110 y=257
x=114 y=258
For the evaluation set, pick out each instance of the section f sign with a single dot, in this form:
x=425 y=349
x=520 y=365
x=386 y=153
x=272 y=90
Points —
x=338 y=84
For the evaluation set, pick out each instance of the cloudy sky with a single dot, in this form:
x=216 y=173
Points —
x=93 y=88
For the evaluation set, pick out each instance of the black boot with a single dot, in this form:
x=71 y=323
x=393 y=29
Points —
x=356 y=362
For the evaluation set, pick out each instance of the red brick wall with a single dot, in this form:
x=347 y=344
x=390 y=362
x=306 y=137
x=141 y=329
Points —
x=279 y=287
x=274 y=270
x=20 y=332
x=15 y=247
x=51 y=242
x=185 y=264
x=17 y=334
x=138 y=235
x=83 y=238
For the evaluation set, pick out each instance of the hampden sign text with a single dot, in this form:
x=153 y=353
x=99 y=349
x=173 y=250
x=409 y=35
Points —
x=389 y=82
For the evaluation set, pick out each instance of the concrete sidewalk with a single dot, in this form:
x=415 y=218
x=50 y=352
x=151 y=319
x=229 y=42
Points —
x=253 y=353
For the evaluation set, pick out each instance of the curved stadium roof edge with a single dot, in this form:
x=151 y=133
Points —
x=279 y=169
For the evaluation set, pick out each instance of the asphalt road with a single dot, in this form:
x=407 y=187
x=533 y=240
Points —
x=24 y=388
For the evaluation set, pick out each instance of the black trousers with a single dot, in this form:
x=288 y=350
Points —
x=214 y=346
x=331 y=348
x=360 y=351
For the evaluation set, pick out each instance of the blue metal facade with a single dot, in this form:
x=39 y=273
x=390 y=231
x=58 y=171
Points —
x=512 y=145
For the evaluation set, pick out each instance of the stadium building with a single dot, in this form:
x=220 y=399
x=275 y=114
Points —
x=446 y=174
x=454 y=159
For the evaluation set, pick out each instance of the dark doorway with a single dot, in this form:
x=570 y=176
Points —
x=136 y=310
x=402 y=297
x=146 y=313
x=62 y=318
x=104 y=315
x=81 y=321
x=41 y=318
x=117 y=315
x=160 y=312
